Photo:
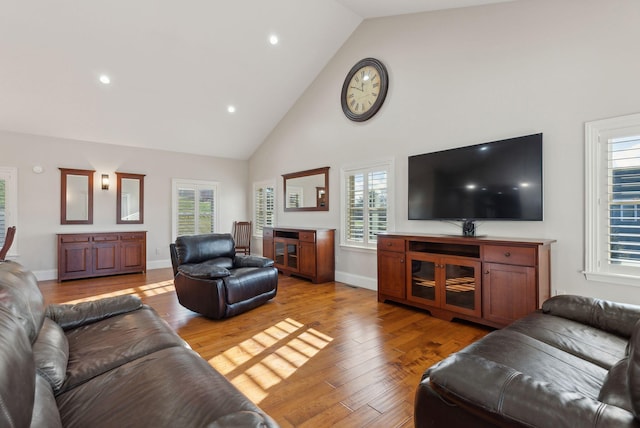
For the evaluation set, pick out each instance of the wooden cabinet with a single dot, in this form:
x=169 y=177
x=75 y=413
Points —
x=308 y=253
x=391 y=268
x=492 y=281
x=84 y=255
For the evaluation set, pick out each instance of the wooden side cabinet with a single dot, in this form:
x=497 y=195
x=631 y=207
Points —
x=391 y=268
x=492 y=281
x=85 y=255
x=309 y=253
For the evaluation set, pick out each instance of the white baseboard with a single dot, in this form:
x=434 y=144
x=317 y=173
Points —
x=52 y=274
x=357 y=280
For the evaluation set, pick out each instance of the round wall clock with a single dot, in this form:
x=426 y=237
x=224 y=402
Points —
x=364 y=89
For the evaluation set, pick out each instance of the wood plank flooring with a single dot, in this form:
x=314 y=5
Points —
x=318 y=355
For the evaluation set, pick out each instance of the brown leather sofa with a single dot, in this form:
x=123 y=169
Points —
x=575 y=363
x=213 y=280
x=107 y=363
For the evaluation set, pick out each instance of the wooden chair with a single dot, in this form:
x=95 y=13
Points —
x=8 y=240
x=242 y=236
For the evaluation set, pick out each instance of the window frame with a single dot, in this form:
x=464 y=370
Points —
x=10 y=175
x=196 y=184
x=364 y=168
x=257 y=226
x=597 y=136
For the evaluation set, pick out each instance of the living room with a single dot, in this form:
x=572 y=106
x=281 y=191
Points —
x=463 y=76
x=457 y=77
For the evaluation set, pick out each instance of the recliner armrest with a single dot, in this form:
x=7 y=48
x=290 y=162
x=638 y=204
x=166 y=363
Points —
x=242 y=260
x=471 y=379
x=616 y=318
x=72 y=316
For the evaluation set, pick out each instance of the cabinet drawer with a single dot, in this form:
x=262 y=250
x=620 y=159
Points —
x=131 y=236
x=105 y=238
x=391 y=244
x=74 y=238
x=510 y=255
x=307 y=236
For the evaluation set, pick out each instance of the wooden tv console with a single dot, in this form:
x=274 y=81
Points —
x=491 y=281
x=309 y=253
x=86 y=255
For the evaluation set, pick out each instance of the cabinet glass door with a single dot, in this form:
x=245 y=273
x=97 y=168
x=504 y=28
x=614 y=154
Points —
x=423 y=280
x=279 y=253
x=462 y=286
x=292 y=255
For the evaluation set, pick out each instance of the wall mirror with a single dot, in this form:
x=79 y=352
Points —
x=76 y=196
x=130 y=198
x=307 y=190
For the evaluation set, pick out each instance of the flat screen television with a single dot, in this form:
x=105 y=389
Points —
x=499 y=180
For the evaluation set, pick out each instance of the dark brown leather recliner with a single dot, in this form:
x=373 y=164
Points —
x=212 y=280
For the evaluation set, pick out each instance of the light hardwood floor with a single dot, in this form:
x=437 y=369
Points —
x=318 y=355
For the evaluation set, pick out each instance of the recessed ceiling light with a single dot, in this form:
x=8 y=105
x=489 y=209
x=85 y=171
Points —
x=273 y=39
x=231 y=109
x=104 y=79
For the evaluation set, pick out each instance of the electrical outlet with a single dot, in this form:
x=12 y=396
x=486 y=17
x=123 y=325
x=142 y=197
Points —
x=157 y=251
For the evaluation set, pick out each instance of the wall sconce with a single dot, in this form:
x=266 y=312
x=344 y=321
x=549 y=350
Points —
x=105 y=181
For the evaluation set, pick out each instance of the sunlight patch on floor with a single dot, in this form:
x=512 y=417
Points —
x=264 y=360
x=146 y=290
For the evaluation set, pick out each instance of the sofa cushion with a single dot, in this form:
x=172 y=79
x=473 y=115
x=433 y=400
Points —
x=20 y=295
x=582 y=340
x=99 y=347
x=17 y=373
x=200 y=248
x=169 y=388
x=72 y=316
x=205 y=270
x=615 y=390
x=51 y=353
x=633 y=371
x=616 y=318
x=45 y=409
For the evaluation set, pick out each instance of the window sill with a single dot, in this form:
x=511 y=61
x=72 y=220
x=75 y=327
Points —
x=613 y=278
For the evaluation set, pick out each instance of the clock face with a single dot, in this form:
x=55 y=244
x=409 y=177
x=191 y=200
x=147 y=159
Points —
x=364 y=89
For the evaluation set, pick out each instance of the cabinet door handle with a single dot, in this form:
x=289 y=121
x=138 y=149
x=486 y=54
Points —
x=507 y=254
x=486 y=272
x=389 y=244
x=401 y=260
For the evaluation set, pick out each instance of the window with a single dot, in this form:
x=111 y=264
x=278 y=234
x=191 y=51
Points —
x=612 y=175
x=367 y=206
x=194 y=207
x=8 y=204
x=264 y=206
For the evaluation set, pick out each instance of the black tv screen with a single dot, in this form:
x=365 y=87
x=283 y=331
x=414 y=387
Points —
x=499 y=180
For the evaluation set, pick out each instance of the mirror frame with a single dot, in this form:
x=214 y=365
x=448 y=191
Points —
x=316 y=171
x=64 y=173
x=119 y=177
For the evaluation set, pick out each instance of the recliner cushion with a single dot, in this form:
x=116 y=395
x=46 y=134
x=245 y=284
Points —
x=246 y=283
x=200 y=248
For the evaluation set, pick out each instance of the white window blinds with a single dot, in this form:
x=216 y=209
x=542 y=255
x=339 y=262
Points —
x=264 y=207
x=195 y=207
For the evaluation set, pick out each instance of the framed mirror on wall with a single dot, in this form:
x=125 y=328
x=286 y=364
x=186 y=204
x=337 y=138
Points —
x=130 y=198
x=76 y=196
x=307 y=190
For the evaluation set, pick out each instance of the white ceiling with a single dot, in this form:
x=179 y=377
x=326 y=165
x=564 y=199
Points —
x=174 y=66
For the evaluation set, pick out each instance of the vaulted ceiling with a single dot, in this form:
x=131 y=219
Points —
x=174 y=68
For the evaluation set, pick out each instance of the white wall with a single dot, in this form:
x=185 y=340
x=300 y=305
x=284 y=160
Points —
x=467 y=76
x=39 y=194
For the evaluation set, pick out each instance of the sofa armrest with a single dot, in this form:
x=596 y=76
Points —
x=203 y=271
x=242 y=260
x=616 y=318
x=472 y=380
x=72 y=316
